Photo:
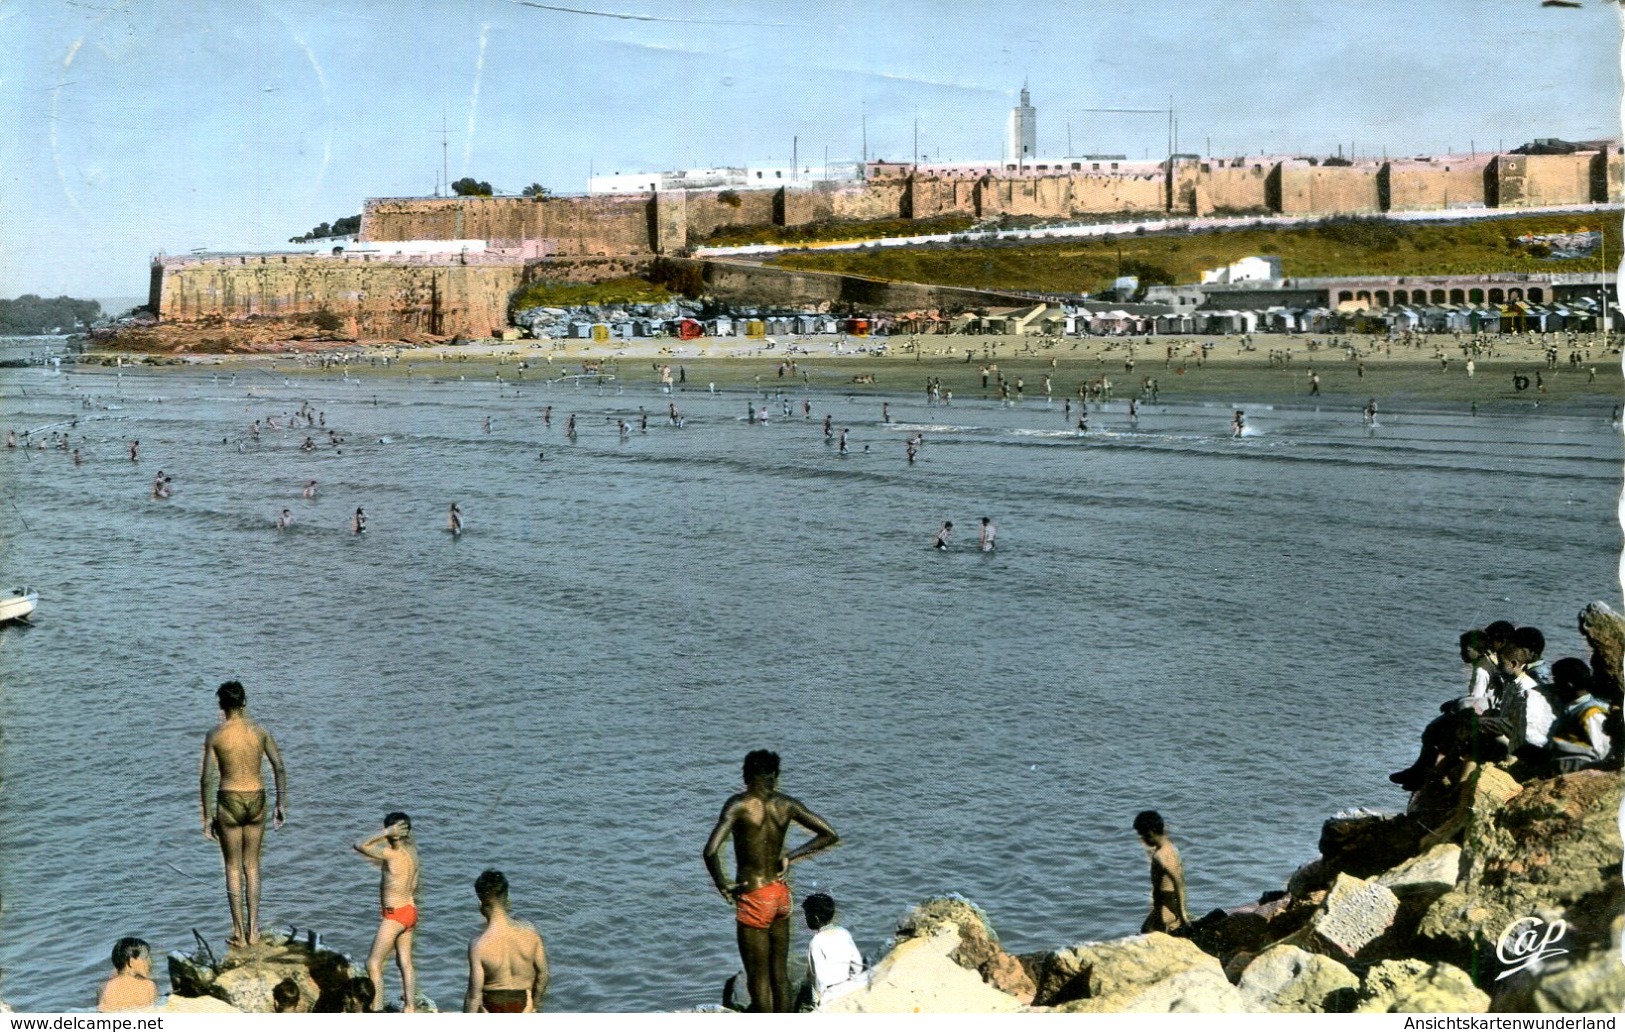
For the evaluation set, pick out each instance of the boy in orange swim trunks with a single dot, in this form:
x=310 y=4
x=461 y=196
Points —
x=394 y=852
x=758 y=819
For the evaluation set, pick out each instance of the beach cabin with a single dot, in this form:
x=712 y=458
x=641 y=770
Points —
x=580 y=330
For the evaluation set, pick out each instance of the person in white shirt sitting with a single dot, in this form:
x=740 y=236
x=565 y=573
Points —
x=834 y=965
x=1577 y=739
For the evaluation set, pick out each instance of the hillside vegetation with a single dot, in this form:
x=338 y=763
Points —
x=1337 y=247
x=628 y=290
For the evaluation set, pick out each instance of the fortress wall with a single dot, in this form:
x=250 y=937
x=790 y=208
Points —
x=1334 y=190
x=1222 y=188
x=931 y=196
x=1427 y=185
x=1095 y=192
x=589 y=226
x=1529 y=180
x=869 y=202
x=1049 y=196
x=668 y=221
x=803 y=207
x=1607 y=173
x=707 y=212
x=376 y=299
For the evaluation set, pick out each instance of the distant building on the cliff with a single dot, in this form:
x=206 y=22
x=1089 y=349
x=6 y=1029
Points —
x=1021 y=135
x=748 y=177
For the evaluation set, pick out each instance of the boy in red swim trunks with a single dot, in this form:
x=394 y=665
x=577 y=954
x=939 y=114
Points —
x=393 y=851
x=758 y=819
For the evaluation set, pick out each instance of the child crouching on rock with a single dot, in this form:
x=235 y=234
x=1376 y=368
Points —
x=834 y=965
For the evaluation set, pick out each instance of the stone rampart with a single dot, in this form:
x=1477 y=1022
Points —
x=569 y=226
x=1302 y=189
x=1454 y=182
x=1531 y=180
x=373 y=298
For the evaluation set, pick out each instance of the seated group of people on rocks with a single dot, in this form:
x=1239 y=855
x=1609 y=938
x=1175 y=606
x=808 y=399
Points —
x=1545 y=720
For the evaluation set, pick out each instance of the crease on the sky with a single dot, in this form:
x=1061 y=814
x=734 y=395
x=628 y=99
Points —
x=474 y=98
x=327 y=105
x=628 y=16
x=56 y=153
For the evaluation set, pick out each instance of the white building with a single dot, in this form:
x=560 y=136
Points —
x=1248 y=270
x=750 y=177
x=1021 y=136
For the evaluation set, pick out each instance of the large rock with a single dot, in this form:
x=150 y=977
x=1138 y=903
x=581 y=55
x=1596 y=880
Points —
x=1417 y=987
x=1433 y=873
x=1604 y=631
x=1355 y=916
x=1551 y=852
x=1120 y=968
x=247 y=975
x=1363 y=842
x=978 y=949
x=1287 y=979
x=198 y=1005
x=978 y=943
x=919 y=978
x=1246 y=929
x=1191 y=991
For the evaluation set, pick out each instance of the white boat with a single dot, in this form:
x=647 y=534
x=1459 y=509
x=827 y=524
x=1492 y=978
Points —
x=18 y=604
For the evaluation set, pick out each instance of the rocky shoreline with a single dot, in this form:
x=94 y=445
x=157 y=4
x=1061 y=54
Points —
x=1486 y=895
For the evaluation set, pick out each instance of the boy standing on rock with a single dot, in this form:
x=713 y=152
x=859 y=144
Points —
x=235 y=750
x=758 y=819
x=392 y=850
x=1167 y=876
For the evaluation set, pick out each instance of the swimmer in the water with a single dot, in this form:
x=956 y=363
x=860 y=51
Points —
x=547 y=415
x=1371 y=412
x=941 y=541
x=284 y=520
x=308 y=446
x=1238 y=423
x=1083 y=423
x=885 y=411
x=828 y=432
x=1133 y=410
x=570 y=426
x=76 y=459
x=988 y=532
x=310 y=489
x=454 y=520
x=843 y=440
x=912 y=452
x=358 y=522
x=135 y=451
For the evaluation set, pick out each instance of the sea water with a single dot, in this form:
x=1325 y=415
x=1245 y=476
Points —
x=1244 y=635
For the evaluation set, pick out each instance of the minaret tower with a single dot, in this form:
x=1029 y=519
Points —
x=1021 y=136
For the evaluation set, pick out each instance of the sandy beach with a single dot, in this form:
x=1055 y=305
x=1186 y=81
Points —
x=1266 y=368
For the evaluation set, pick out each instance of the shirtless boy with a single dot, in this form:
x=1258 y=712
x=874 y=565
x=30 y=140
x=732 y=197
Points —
x=758 y=819
x=236 y=749
x=394 y=852
x=1167 y=876
x=507 y=964
x=131 y=986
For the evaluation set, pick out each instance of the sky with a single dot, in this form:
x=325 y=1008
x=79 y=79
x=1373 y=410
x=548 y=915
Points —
x=133 y=128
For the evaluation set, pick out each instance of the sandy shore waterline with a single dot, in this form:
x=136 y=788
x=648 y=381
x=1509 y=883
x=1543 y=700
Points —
x=1397 y=374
